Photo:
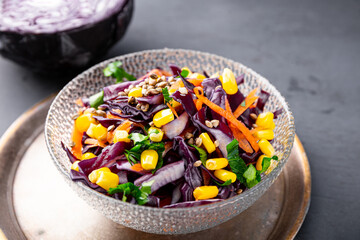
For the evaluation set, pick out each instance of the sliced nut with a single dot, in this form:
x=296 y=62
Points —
x=153 y=91
x=90 y=110
x=132 y=100
x=122 y=94
x=253 y=116
x=208 y=124
x=216 y=143
x=239 y=191
x=197 y=163
x=145 y=86
x=152 y=82
x=215 y=123
x=159 y=89
x=146 y=81
x=100 y=113
x=183 y=90
x=162 y=84
x=170 y=79
x=163 y=78
x=126 y=91
x=150 y=87
x=110 y=128
x=75 y=116
x=255 y=125
x=145 y=107
x=188 y=135
x=72 y=144
x=138 y=106
x=191 y=141
x=153 y=76
x=101 y=108
x=151 y=124
x=131 y=87
x=141 y=84
x=198 y=142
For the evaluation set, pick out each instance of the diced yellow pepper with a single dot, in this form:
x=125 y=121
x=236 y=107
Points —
x=197 y=76
x=107 y=180
x=98 y=132
x=149 y=159
x=265 y=120
x=121 y=136
x=94 y=175
x=267 y=134
x=156 y=137
x=82 y=123
x=259 y=162
x=135 y=92
x=266 y=147
x=207 y=142
x=75 y=166
x=225 y=175
x=229 y=82
x=87 y=155
x=216 y=163
x=163 y=117
x=205 y=192
x=217 y=75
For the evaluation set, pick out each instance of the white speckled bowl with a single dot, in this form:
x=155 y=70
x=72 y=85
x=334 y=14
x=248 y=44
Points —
x=156 y=220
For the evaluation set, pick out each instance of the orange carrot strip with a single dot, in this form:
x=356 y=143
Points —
x=249 y=100
x=76 y=138
x=137 y=167
x=197 y=82
x=165 y=73
x=126 y=125
x=172 y=109
x=109 y=115
x=198 y=104
x=229 y=116
x=110 y=136
x=243 y=143
x=96 y=142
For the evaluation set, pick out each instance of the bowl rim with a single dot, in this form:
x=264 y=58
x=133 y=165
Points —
x=276 y=171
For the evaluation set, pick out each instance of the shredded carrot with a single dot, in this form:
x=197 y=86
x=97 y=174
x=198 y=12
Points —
x=228 y=115
x=79 y=102
x=137 y=167
x=76 y=138
x=165 y=73
x=110 y=136
x=126 y=125
x=249 y=100
x=172 y=109
x=96 y=142
x=197 y=82
x=243 y=143
x=109 y=115
x=198 y=104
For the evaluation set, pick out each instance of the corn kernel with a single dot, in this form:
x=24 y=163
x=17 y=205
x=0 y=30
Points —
x=229 y=82
x=217 y=75
x=98 y=132
x=266 y=147
x=94 y=175
x=135 y=92
x=107 y=180
x=163 y=117
x=207 y=142
x=82 y=123
x=225 y=175
x=87 y=155
x=216 y=163
x=267 y=134
x=197 y=76
x=265 y=120
x=205 y=192
x=156 y=137
x=259 y=162
x=121 y=136
x=149 y=159
x=75 y=166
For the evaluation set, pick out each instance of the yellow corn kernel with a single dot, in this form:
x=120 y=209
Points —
x=272 y=125
x=94 y=175
x=267 y=134
x=225 y=175
x=216 y=163
x=87 y=155
x=135 y=92
x=173 y=102
x=149 y=159
x=259 y=162
x=82 y=123
x=197 y=76
x=265 y=120
x=217 y=75
x=163 y=117
x=107 y=180
x=98 y=132
x=156 y=137
x=75 y=166
x=185 y=68
x=205 y=192
x=229 y=82
x=121 y=136
x=207 y=142
x=266 y=147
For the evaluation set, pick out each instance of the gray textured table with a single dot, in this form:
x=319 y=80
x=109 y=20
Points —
x=309 y=50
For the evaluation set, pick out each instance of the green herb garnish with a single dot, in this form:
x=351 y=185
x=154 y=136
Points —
x=184 y=73
x=116 y=71
x=226 y=183
x=202 y=154
x=97 y=99
x=166 y=95
x=129 y=189
x=236 y=163
x=138 y=137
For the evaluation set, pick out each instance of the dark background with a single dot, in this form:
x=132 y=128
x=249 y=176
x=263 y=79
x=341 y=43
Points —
x=310 y=50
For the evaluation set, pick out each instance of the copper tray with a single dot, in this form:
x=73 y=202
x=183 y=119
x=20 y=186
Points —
x=36 y=203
